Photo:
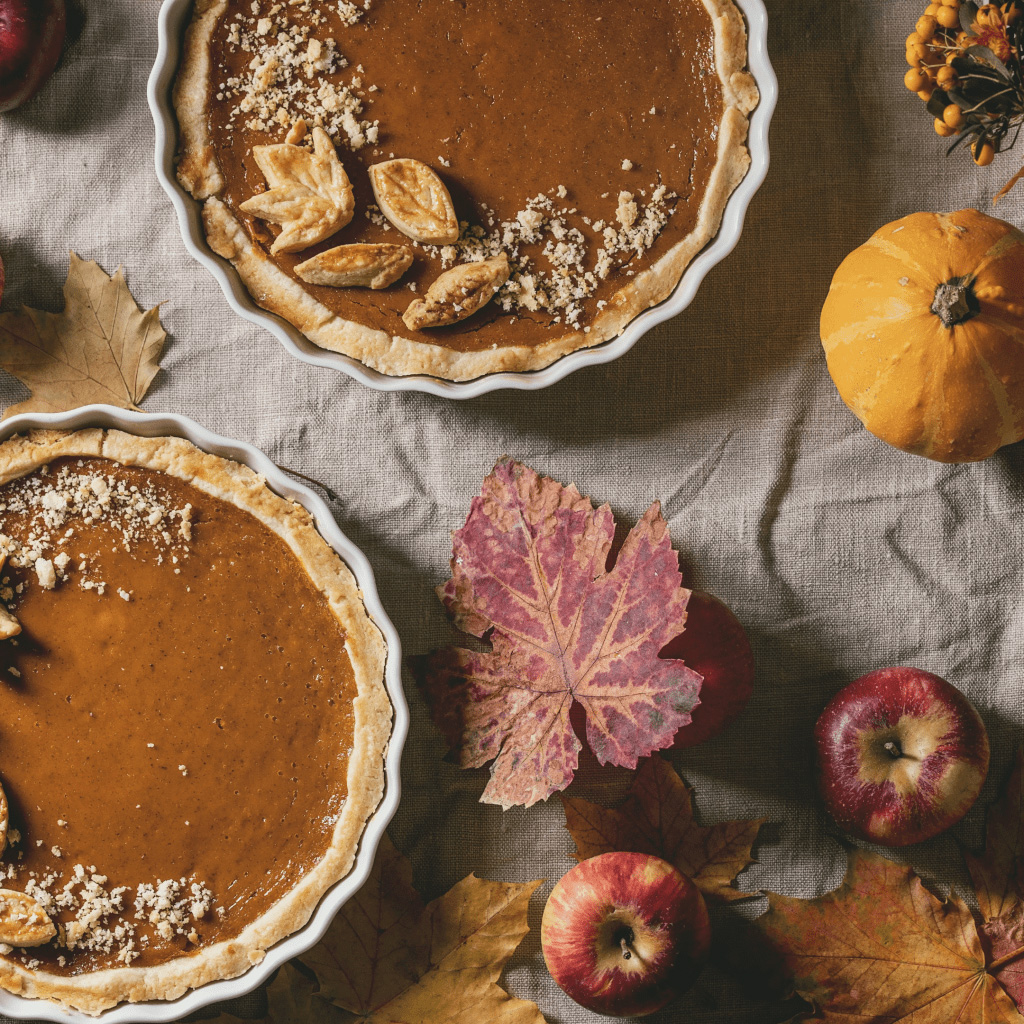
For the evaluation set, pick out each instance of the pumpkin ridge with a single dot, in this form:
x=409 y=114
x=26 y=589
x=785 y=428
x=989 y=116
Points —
x=838 y=336
x=898 y=253
x=1000 y=395
x=1002 y=246
x=1011 y=430
x=1011 y=331
x=931 y=417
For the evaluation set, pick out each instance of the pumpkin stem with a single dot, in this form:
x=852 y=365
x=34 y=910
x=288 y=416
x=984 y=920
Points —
x=955 y=302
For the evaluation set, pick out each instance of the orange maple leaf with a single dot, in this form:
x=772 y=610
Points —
x=882 y=948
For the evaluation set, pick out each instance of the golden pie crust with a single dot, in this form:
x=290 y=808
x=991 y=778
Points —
x=240 y=486
x=394 y=353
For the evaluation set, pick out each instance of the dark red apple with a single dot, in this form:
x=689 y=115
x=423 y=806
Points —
x=902 y=755
x=31 y=37
x=624 y=933
x=715 y=646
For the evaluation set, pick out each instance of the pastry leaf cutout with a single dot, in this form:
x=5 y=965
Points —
x=101 y=348
x=415 y=200
x=530 y=574
x=310 y=195
x=657 y=817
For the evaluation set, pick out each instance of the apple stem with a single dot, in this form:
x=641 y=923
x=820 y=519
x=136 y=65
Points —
x=627 y=953
x=893 y=749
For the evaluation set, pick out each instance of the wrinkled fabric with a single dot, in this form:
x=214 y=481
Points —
x=840 y=555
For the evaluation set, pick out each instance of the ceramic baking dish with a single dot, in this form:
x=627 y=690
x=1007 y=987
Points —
x=174 y=17
x=154 y=425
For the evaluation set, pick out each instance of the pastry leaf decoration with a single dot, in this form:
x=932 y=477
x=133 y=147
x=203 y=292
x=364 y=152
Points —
x=388 y=959
x=884 y=948
x=657 y=818
x=310 y=195
x=530 y=575
x=415 y=200
x=101 y=348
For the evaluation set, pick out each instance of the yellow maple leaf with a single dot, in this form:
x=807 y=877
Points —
x=101 y=348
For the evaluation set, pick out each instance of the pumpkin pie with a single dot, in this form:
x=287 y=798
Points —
x=354 y=158
x=192 y=717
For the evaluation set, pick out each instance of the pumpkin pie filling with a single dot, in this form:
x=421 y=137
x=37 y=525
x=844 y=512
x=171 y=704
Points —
x=176 y=716
x=578 y=140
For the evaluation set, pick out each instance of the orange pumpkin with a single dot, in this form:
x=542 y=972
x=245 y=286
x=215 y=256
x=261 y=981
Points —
x=923 y=330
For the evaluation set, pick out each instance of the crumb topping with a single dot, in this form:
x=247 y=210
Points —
x=101 y=920
x=58 y=503
x=287 y=78
x=574 y=274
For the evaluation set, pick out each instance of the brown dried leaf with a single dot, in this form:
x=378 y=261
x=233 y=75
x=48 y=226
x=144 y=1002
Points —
x=387 y=958
x=102 y=348
x=657 y=818
x=997 y=872
x=458 y=293
x=310 y=195
x=23 y=922
x=415 y=200
x=359 y=265
x=292 y=998
x=998 y=877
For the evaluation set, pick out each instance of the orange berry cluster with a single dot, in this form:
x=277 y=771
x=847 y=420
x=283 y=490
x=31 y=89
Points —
x=938 y=40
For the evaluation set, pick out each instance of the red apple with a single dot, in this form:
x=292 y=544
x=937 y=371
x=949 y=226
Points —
x=715 y=646
x=624 y=933
x=31 y=37
x=902 y=755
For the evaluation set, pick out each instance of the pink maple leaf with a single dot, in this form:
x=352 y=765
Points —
x=529 y=574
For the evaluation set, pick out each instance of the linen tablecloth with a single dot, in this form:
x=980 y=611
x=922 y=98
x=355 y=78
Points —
x=839 y=554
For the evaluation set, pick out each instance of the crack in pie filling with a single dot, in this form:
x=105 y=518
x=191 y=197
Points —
x=351 y=156
x=192 y=716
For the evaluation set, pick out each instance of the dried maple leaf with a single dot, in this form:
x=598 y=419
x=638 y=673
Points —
x=883 y=948
x=390 y=960
x=530 y=574
x=657 y=817
x=102 y=348
x=292 y=999
x=998 y=877
x=310 y=195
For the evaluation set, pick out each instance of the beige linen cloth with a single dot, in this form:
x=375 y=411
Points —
x=839 y=554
